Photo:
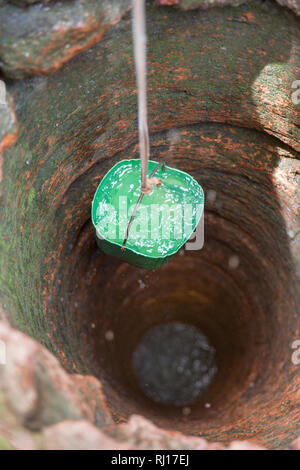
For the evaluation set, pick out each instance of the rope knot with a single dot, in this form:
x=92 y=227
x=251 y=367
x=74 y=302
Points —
x=154 y=181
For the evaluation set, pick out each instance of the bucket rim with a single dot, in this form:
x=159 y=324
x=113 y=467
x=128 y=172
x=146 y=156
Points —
x=117 y=244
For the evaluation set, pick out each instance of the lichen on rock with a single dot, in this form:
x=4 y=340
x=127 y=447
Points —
x=38 y=39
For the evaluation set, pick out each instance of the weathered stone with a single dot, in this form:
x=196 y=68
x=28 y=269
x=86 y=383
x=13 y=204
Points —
x=27 y=2
x=138 y=433
x=14 y=437
x=292 y=4
x=296 y=444
x=81 y=435
x=37 y=390
x=141 y=433
x=40 y=38
x=93 y=395
x=192 y=4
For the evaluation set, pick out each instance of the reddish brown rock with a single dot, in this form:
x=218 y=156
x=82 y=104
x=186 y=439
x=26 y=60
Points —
x=296 y=444
x=292 y=4
x=243 y=445
x=21 y=397
x=92 y=394
x=141 y=433
x=80 y=435
x=40 y=38
x=39 y=392
x=191 y=4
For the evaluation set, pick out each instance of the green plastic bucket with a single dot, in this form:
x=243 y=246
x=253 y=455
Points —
x=164 y=220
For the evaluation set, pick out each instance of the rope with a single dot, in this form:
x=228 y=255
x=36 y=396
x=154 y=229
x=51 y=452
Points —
x=139 y=41
x=151 y=180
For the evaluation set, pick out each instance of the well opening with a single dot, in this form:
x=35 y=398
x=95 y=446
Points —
x=210 y=110
x=236 y=290
x=240 y=291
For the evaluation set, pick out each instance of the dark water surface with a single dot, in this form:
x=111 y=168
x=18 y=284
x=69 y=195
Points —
x=174 y=363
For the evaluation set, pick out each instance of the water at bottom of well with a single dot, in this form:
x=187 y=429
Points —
x=174 y=363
